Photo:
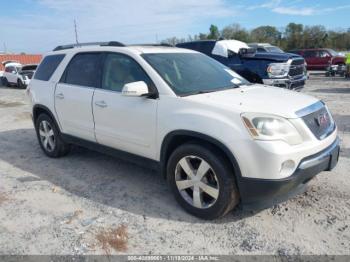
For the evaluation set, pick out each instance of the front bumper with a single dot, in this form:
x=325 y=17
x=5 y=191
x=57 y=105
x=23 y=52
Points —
x=289 y=83
x=262 y=193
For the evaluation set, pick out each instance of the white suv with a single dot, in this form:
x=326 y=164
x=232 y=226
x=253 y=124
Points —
x=18 y=74
x=216 y=138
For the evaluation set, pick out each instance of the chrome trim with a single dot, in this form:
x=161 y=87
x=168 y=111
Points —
x=310 y=109
x=320 y=158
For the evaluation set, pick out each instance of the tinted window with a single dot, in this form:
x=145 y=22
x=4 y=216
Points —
x=323 y=54
x=260 y=49
x=83 y=70
x=120 y=70
x=192 y=73
x=48 y=66
x=206 y=47
x=309 y=54
x=9 y=69
x=191 y=45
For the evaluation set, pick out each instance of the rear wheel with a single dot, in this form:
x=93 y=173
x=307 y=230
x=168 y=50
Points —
x=49 y=137
x=202 y=181
x=20 y=84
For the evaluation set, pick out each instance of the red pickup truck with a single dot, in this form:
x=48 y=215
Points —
x=320 y=58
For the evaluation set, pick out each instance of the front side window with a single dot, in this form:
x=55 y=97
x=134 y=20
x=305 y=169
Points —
x=323 y=54
x=83 y=70
x=192 y=73
x=47 y=67
x=119 y=70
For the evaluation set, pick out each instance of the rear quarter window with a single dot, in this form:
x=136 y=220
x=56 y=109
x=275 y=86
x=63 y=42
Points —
x=48 y=66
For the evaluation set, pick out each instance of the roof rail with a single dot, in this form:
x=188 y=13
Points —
x=111 y=43
x=161 y=44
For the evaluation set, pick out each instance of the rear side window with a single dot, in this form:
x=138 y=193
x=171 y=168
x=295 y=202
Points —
x=206 y=47
x=47 y=67
x=83 y=70
x=309 y=54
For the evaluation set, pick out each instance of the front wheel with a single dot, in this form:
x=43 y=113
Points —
x=202 y=181
x=49 y=137
x=20 y=84
x=5 y=82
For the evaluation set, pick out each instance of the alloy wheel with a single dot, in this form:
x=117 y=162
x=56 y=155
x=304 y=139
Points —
x=47 y=136
x=197 y=182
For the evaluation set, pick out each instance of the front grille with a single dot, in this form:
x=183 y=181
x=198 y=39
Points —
x=297 y=67
x=320 y=123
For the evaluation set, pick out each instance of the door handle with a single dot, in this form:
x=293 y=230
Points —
x=101 y=104
x=60 y=96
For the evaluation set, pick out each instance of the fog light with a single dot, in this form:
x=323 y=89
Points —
x=287 y=168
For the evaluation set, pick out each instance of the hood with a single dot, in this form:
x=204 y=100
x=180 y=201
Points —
x=258 y=98
x=279 y=57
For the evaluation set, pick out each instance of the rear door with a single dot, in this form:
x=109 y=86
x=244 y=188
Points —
x=73 y=95
x=311 y=59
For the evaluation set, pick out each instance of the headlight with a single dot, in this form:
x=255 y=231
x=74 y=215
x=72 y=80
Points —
x=270 y=127
x=278 y=69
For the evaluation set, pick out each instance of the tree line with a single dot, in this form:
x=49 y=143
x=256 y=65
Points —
x=293 y=36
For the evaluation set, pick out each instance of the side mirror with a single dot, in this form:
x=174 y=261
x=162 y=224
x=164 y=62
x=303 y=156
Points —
x=139 y=88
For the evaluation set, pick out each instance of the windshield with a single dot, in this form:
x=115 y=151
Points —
x=274 y=49
x=193 y=73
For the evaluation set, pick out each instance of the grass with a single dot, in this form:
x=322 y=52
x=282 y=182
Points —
x=113 y=238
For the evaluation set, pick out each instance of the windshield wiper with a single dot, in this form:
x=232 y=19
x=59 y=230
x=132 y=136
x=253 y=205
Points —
x=199 y=92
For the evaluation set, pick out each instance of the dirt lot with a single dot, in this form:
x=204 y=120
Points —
x=85 y=202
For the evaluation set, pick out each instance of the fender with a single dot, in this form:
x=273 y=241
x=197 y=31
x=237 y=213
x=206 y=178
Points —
x=48 y=111
x=191 y=134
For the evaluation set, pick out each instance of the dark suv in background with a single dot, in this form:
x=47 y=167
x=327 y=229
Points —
x=320 y=58
x=277 y=69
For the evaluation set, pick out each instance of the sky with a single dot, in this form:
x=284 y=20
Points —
x=37 y=26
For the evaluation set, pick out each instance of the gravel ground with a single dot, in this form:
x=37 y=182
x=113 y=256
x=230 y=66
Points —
x=71 y=205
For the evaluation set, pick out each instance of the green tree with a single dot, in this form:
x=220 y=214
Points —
x=267 y=34
x=315 y=36
x=235 y=31
x=214 y=32
x=293 y=36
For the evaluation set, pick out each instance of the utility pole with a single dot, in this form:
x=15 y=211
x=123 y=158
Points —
x=5 y=48
x=76 y=32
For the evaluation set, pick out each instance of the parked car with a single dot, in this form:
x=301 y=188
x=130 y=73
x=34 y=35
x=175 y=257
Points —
x=17 y=74
x=218 y=139
x=321 y=58
x=265 y=48
x=277 y=69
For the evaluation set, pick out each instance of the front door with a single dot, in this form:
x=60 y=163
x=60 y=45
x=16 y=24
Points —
x=121 y=122
x=74 y=93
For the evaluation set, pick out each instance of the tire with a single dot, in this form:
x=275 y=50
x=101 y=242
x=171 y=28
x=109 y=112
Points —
x=224 y=195
x=49 y=137
x=20 y=84
x=6 y=82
